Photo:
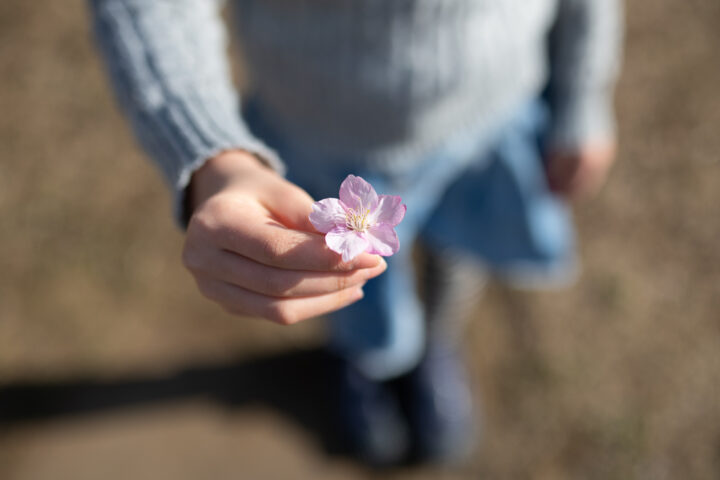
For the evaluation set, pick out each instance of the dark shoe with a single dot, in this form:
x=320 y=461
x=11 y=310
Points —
x=438 y=399
x=370 y=418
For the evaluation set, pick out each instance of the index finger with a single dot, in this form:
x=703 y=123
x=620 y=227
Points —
x=273 y=244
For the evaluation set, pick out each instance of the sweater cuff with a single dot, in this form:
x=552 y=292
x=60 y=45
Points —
x=580 y=118
x=182 y=132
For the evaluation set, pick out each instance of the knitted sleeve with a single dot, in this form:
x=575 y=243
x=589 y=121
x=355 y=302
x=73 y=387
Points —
x=585 y=51
x=168 y=64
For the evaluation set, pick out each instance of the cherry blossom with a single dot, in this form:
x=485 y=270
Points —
x=360 y=220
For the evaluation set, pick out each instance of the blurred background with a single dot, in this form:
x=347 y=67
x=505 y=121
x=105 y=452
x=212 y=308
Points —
x=112 y=365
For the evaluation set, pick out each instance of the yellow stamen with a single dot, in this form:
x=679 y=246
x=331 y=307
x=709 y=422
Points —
x=357 y=220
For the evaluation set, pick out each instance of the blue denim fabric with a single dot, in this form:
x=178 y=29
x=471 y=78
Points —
x=482 y=193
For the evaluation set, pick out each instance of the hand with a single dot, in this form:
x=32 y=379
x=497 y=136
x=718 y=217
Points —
x=580 y=173
x=252 y=249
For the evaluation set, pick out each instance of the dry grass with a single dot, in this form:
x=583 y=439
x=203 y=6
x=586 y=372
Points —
x=618 y=377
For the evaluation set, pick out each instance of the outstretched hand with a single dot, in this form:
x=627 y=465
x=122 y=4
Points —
x=252 y=249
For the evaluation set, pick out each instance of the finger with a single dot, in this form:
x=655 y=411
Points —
x=581 y=183
x=256 y=277
x=589 y=178
x=240 y=301
x=273 y=244
x=561 y=170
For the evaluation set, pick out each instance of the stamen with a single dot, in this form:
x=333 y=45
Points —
x=356 y=221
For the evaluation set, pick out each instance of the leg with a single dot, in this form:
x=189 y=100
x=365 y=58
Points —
x=452 y=282
x=500 y=212
x=436 y=391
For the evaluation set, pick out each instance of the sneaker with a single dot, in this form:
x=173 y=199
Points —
x=370 y=418
x=438 y=399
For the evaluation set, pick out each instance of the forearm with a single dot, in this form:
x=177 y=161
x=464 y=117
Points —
x=585 y=53
x=168 y=65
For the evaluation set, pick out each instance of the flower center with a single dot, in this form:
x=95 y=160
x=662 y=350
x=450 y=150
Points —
x=357 y=221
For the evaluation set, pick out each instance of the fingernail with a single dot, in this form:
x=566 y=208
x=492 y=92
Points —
x=379 y=268
x=378 y=261
x=375 y=271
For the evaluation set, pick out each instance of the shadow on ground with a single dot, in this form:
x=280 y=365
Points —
x=265 y=380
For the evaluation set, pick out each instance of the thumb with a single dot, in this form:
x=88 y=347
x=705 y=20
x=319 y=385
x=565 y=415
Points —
x=291 y=205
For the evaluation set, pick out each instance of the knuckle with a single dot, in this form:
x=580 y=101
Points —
x=335 y=263
x=201 y=222
x=215 y=207
x=190 y=258
x=206 y=289
x=343 y=282
x=280 y=314
x=211 y=219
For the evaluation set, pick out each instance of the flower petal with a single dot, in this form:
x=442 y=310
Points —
x=383 y=240
x=358 y=194
x=390 y=210
x=327 y=214
x=348 y=243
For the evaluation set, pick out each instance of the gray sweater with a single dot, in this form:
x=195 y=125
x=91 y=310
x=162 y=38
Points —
x=371 y=80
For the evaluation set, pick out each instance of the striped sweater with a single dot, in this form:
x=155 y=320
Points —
x=368 y=80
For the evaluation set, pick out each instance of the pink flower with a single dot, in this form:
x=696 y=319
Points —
x=360 y=220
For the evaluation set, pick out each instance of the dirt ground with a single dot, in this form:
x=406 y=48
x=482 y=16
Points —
x=113 y=367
